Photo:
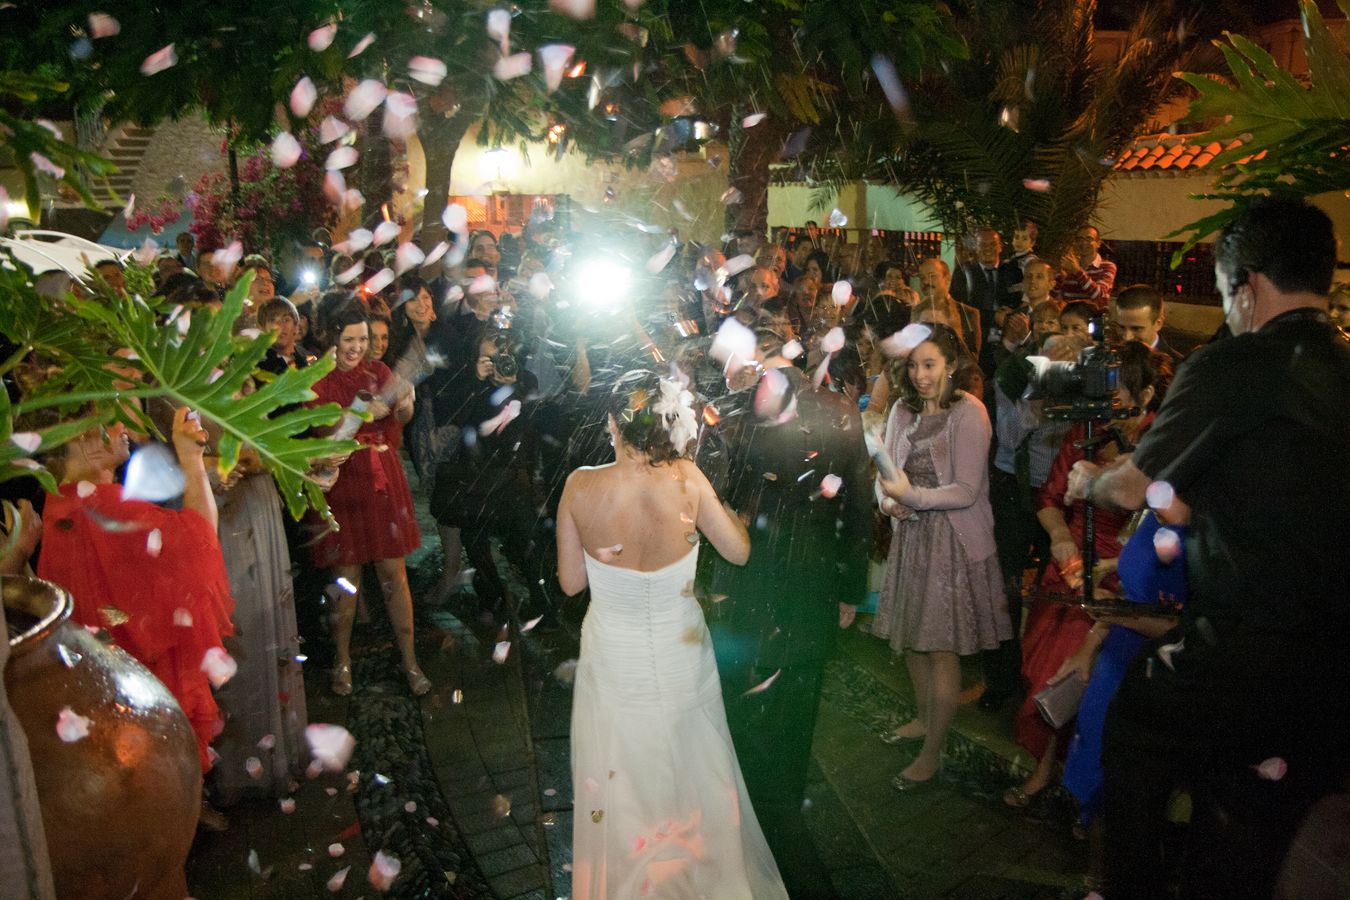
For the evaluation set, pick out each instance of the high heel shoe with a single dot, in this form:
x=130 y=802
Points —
x=418 y=682
x=899 y=740
x=909 y=786
x=342 y=680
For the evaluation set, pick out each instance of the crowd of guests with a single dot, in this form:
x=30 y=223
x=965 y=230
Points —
x=490 y=376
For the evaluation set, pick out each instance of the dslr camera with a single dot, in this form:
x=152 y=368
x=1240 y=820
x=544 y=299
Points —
x=1080 y=391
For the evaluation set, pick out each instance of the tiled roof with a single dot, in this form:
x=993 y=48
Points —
x=1175 y=154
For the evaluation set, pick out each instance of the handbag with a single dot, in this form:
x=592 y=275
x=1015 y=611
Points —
x=1058 y=703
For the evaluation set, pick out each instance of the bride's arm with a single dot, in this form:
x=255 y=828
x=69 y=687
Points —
x=719 y=522
x=571 y=556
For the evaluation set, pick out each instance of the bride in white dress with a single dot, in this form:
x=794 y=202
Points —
x=660 y=808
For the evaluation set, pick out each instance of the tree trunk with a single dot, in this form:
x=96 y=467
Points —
x=440 y=143
x=752 y=150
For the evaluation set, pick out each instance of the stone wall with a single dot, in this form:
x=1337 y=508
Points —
x=188 y=147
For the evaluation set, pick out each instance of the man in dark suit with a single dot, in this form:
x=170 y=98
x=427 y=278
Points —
x=1137 y=315
x=773 y=620
x=987 y=283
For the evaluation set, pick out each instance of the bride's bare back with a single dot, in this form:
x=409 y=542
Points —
x=636 y=515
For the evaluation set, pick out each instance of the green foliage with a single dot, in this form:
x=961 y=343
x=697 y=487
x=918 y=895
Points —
x=1029 y=124
x=191 y=360
x=26 y=143
x=1302 y=130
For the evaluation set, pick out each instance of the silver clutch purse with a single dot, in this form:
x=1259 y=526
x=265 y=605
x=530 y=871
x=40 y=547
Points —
x=1058 y=703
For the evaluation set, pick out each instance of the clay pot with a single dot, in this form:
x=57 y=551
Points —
x=119 y=806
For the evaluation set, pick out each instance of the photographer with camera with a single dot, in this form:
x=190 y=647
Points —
x=1055 y=630
x=484 y=487
x=1248 y=699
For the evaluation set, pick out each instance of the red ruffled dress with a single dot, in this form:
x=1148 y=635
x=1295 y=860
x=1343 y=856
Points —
x=370 y=501
x=153 y=577
x=1053 y=631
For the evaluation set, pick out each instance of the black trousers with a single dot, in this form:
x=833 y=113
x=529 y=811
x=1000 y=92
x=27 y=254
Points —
x=1019 y=538
x=772 y=732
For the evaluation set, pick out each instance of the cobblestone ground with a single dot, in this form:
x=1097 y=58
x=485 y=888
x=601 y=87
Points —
x=469 y=787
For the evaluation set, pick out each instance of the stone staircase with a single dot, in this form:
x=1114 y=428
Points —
x=125 y=147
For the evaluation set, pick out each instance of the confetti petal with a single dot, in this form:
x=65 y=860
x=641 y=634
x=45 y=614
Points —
x=1272 y=769
x=754 y=119
x=763 y=685
x=267 y=742
x=829 y=486
x=361 y=46
x=339 y=879
x=661 y=258
x=383 y=870
x=385 y=232
x=71 y=726
x=566 y=671
x=379 y=281
x=154 y=543
x=219 y=666
x=321 y=38
x=334 y=186
x=182 y=618
x=336 y=850
x=400 y=115
x=456 y=218
x=254 y=767
x=285 y=150
x=1159 y=495
x=842 y=292
x=838 y=219
x=409 y=256
x=153 y=475
x=554 y=59
x=287 y=805
x=331 y=129
x=833 y=341
x=513 y=66
x=1039 y=185
x=737 y=264
x=426 y=70
x=792 y=349
x=499 y=28
x=500 y=652
x=576 y=9
x=84 y=489
x=102 y=25
x=161 y=59
x=364 y=99
x=44 y=164
x=905 y=340
x=27 y=441
x=1167 y=544
x=303 y=97
x=331 y=745
x=341 y=158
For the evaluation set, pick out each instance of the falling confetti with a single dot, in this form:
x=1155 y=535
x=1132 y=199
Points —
x=27 y=441
x=1159 y=495
x=361 y=46
x=841 y=293
x=400 y=115
x=754 y=119
x=501 y=805
x=154 y=542
x=357 y=240
x=334 y=186
x=829 y=485
x=379 y=281
x=303 y=97
x=345 y=585
x=837 y=219
x=792 y=349
x=267 y=742
x=341 y=158
x=554 y=59
x=905 y=340
x=385 y=232
x=833 y=341
x=513 y=66
x=102 y=25
x=576 y=9
x=529 y=626
x=409 y=256
x=336 y=850
x=661 y=258
x=426 y=70
x=44 y=164
x=331 y=745
x=763 y=685
x=254 y=864
x=254 y=767
x=1039 y=185
x=364 y=99
x=383 y=870
x=566 y=671
x=321 y=38
x=330 y=129
x=731 y=196
x=71 y=726
x=339 y=879
x=1272 y=769
x=1167 y=651
x=891 y=86
x=500 y=652
x=219 y=666
x=164 y=58
x=1167 y=544
x=285 y=150
x=608 y=554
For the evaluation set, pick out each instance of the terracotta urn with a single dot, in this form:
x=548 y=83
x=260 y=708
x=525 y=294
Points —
x=120 y=797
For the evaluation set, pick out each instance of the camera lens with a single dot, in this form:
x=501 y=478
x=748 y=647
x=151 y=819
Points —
x=506 y=365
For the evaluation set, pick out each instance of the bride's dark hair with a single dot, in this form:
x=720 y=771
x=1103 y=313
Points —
x=641 y=426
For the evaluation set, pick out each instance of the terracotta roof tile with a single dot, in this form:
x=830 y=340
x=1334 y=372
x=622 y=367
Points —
x=1171 y=154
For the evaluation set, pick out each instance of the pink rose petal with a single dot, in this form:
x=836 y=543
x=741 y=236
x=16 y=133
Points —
x=330 y=129
x=829 y=485
x=285 y=150
x=364 y=99
x=1272 y=769
x=386 y=232
x=379 y=281
x=339 y=879
x=361 y=46
x=161 y=59
x=763 y=685
x=754 y=119
x=71 y=726
x=102 y=25
x=27 y=441
x=409 y=256
x=321 y=38
x=513 y=66
x=341 y=158
x=303 y=97
x=554 y=58
x=331 y=745
x=182 y=618
x=576 y=9
x=500 y=652
x=426 y=70
x=499 y=28
x=219 y=666
x=383 y=870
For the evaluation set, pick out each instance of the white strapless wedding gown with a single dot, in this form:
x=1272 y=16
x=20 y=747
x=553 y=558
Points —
x=660 y=808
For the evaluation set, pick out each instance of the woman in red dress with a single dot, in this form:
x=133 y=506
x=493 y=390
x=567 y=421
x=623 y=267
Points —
x=153 y=577
x=1054 y=631
x=370 y=500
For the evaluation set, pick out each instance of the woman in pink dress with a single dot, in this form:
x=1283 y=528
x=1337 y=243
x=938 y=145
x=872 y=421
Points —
x=370 y=500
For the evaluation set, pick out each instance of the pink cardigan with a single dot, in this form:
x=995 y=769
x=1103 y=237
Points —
x=961 y=459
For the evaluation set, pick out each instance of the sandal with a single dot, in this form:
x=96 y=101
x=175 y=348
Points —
x=342 y=680
x=1017 y=798
x=418 y=682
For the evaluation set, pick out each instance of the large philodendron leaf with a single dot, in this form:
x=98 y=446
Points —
x=1294 y=137
x=194 y=360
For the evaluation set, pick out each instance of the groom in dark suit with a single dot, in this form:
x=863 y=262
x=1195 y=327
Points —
x=773 y=620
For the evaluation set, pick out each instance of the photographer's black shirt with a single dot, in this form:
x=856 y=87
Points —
x=1255 y=436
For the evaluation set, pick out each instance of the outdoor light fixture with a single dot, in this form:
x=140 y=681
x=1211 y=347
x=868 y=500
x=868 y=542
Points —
x=602 y=285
